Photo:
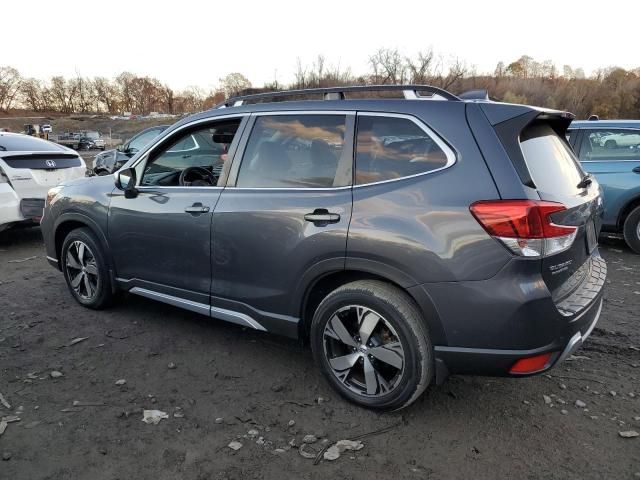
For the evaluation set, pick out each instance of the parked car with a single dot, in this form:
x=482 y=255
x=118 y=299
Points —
x=29 y=167
x=109 y=161
x=92 y=141
x=610 y=150
x=405 y=239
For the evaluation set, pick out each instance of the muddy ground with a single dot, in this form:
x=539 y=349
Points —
x=480 y=428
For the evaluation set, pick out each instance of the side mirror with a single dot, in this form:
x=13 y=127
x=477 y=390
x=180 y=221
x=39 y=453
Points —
x=126 y=181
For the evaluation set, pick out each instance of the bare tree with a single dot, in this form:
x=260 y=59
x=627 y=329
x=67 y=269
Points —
x=234 y=83
x=420 y=68
x=387 y=66
x=10 y=81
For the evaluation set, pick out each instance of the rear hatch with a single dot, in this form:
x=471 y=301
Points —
x=558 y=178
x=562 y=205
x=32 y=174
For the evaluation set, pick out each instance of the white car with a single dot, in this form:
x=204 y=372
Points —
x=617 y=140
x=29 y=167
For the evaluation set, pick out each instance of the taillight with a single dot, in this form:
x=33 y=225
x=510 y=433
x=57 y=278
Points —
x=525 y=226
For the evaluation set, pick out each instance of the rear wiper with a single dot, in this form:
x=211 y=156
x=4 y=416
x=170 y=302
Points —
x=586 y=181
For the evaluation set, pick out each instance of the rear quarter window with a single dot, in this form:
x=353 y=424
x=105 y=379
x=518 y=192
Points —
x=25 y=143
x=388 y=148
x=551 y=162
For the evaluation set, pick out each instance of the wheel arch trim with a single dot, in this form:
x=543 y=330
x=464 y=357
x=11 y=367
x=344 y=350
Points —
x=360 y=269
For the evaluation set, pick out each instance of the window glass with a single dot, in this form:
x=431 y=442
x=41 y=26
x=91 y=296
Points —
x=293 y=151
x=392 y=147
x=610 y=145
x=195 y=158
x=550 y=160
x=138 y=143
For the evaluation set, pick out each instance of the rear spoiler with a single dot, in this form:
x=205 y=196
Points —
x=510 y=120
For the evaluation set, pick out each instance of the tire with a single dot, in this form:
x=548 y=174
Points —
x=407 y=369
x=611 y=144
x=95 y=291
x=101 y=173
x=631 y=230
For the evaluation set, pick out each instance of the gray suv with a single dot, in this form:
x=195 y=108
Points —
x=404 y=238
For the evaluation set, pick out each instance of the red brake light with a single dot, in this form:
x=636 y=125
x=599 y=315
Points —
x=519 y=218
x=531 y=364
x=525 y=226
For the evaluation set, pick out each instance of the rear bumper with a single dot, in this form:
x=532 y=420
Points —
x=9 y=205
x=498 y=362
x=489 y=325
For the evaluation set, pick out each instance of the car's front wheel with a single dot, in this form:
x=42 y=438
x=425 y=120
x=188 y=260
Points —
x=632 y=230
x=372 y=345
x=85 y=269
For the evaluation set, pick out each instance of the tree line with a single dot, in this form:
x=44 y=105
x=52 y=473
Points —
x=611 y=92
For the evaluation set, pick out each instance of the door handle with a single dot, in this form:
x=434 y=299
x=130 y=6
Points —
x=197 y=208
x=322 y=217
x=636 y=170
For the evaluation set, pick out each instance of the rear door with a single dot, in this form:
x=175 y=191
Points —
x=613 y=156
x=284 y=213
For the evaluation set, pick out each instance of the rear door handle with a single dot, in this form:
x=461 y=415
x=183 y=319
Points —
x=197 y=208
x=636 y=170
x=321 y=217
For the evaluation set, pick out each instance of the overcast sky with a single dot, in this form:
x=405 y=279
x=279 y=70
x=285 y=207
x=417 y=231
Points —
x=191 y=42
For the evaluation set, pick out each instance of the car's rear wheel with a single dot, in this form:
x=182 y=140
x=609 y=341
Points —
x=610 y=144
x=632 y=230
x=372 y=345
x=85 y=269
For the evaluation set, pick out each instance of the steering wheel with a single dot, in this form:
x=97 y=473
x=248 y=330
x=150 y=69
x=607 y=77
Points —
x=197 y=177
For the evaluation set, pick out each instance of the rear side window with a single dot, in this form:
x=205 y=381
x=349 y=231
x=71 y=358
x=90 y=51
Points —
x=299 y=151
x=551 y=162
x=394 y=147
x=25 y=143
x=614 y=144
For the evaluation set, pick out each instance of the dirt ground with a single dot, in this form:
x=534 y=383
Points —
x=218 y=382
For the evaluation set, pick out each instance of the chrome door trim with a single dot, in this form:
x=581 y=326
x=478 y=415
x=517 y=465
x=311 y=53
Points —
x=220 y=313
x=236 y=317
x=171 y=300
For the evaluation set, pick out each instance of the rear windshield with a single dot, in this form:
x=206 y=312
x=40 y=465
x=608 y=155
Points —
x=25 y=143
x=551 y=162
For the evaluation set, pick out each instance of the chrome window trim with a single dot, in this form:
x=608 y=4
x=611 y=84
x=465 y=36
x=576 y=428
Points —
x=448 y=151
x=305 y=189
x=304 y=112
x=610 y=160
x=589 y=127
x=151 y=188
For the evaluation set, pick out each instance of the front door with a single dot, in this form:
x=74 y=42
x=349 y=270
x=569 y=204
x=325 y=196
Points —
x=161 y=239
x=284 y=213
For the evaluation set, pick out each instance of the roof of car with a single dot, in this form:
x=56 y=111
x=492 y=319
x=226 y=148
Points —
x=604 y=123
x=22 y=142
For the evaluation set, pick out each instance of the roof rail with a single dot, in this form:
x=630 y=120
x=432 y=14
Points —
x=338 y=93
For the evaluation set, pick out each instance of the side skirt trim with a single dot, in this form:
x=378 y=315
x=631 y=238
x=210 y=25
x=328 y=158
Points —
x=220 y=313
